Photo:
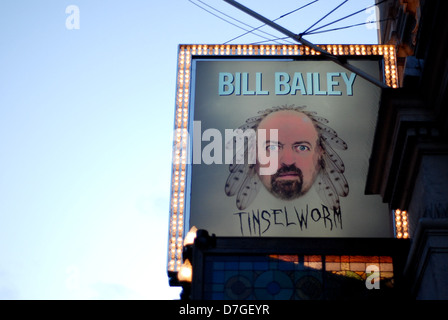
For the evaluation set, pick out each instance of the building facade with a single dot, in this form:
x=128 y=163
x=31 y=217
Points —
x=409 y=165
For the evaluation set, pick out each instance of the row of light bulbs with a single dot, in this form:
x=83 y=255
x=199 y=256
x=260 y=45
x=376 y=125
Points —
x=401 y=224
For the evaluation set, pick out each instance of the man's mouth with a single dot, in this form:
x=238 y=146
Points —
x=288 y=175
x=287 y=182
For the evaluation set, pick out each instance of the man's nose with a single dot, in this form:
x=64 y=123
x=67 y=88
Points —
x=287 y=157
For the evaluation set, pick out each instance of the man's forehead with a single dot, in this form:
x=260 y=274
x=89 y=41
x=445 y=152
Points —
x=279 y=118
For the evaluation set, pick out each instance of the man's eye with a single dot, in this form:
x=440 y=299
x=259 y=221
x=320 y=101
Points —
x=272 y=147
x=302 y=147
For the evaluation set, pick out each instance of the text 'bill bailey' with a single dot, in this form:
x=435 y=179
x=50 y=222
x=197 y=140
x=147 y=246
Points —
x=309 y=83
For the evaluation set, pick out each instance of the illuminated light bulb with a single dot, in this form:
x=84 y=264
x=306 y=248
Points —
x=191 y=235
x=296 y=50
x=185 y=273
x=351 y=49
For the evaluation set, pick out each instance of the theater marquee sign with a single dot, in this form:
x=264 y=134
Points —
x=275 y=141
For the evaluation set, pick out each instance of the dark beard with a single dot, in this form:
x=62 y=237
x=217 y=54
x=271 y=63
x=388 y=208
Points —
x=287 y=189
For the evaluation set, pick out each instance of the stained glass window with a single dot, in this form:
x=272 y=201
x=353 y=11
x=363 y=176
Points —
x=295 y=277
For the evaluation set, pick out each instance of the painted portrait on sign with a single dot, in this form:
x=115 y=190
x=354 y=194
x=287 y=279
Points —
x=303 y=151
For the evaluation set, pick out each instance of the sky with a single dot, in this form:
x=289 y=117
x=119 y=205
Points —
x=87 y=93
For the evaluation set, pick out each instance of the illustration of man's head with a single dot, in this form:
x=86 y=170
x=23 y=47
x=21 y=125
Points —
x=297 y=150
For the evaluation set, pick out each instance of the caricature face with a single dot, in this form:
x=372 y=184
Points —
x=298 y=153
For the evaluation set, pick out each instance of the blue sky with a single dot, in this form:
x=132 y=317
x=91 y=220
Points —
x=86 y=122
